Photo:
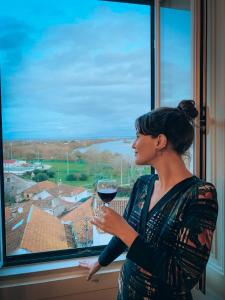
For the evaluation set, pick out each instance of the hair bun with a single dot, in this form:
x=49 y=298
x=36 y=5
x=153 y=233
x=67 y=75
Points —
x=188 y=107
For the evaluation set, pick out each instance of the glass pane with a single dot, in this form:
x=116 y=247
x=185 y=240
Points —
x=176 y=56
x=75 y=76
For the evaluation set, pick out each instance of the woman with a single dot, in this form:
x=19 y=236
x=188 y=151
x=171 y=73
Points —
x=168 y=224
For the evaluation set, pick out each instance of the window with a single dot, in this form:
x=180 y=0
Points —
x=176 y=68
x=175 y=52
x=74 y=78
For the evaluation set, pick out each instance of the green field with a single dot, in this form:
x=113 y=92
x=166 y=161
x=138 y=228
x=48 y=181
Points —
x=62 y=169
x=94 y=172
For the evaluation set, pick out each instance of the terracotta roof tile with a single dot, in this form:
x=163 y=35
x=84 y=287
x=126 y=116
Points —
x=8 y=213
x=80 y=218
x=43 y=232
x=48 y=204
x=40 y=186
x=9 y=161
x=118 y=204
x=14 y=236
x=65 y=190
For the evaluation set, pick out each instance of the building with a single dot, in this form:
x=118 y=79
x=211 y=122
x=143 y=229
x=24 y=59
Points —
x=37 y=188
x=69 y=193
x=14 y=186
x=79 y=219
x=16 y=216
x=43 y=232
x=119 y=205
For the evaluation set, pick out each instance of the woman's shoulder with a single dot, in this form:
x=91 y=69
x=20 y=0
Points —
x=204 y=192
x=204 y=186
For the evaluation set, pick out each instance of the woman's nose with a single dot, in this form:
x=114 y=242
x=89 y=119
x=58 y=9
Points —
x=133 y=145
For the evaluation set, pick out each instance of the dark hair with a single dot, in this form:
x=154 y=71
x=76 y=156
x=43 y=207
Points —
x=177 y=124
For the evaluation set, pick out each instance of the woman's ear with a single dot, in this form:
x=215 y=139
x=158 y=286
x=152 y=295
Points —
x=161 y=142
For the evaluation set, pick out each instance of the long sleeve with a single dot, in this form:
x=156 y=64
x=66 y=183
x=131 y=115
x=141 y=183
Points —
x=116 y=246
x=180 y=258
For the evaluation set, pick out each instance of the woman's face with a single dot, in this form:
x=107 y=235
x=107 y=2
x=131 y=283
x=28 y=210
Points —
x=145 y=150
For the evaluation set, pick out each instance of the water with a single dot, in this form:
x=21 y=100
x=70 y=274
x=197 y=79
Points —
x=118 y=146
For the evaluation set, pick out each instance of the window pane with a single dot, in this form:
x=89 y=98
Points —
x=176 y=56
x=75 y=76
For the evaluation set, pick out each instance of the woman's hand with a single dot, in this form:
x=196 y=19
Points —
x=91 y=266
x=111 y=222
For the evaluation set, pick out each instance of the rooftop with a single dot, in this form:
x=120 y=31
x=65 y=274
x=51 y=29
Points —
x=40 y=186
x=80 y=217
x=43 y=232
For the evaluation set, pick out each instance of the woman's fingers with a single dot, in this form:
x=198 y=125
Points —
x=97 y=221
x=89 y=276
x=91 y=267
x=84 y=264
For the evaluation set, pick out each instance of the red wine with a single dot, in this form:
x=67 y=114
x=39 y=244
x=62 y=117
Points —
x=107 y=195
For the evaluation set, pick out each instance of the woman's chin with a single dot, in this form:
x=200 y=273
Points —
x=138 y=162
x=141 y=162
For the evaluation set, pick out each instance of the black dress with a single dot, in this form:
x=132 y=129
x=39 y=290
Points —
x=171 y=251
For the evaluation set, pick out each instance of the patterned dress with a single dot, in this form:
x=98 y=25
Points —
x=171 y=251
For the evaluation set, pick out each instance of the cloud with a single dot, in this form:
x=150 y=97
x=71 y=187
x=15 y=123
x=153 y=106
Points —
x=81 y=72
x=15 y=37
x=176 y=83
x=82 y=76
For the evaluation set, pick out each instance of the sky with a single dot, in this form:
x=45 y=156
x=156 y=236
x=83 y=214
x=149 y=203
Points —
x=81 y=69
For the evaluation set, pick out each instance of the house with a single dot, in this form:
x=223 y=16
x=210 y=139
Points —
x=70 y=193
x=55 y=205
x=16 y=216
x=43 y=232
x=14 y=186
x=9 y=162
x=79 y=218
x=52 y=205
x=17 y=167
x=8 y=214
x=43 y=195
x=37 y=188
x=56 y=199
x=118 y=205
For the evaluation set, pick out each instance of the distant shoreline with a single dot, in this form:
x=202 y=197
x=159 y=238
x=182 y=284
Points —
x=66 y=140
x=57 y=149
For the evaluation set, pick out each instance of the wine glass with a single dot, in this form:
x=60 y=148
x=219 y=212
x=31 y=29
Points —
x=107 y=189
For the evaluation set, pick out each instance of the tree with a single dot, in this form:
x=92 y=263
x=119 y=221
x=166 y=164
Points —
x=50 y=173
x=40 y=177
x=83 y=177
x=70 y=177
x=36 y=171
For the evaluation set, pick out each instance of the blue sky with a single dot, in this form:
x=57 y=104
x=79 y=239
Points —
x=72 y=70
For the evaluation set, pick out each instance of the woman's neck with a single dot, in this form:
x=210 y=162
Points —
x=171 y=169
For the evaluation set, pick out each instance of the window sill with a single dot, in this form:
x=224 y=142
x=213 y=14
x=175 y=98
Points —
x=52 y=271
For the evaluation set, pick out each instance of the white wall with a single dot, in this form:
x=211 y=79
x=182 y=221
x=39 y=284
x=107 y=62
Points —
x=216 y=135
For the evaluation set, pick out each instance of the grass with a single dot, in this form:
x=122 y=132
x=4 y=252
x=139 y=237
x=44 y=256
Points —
x=62 y=169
